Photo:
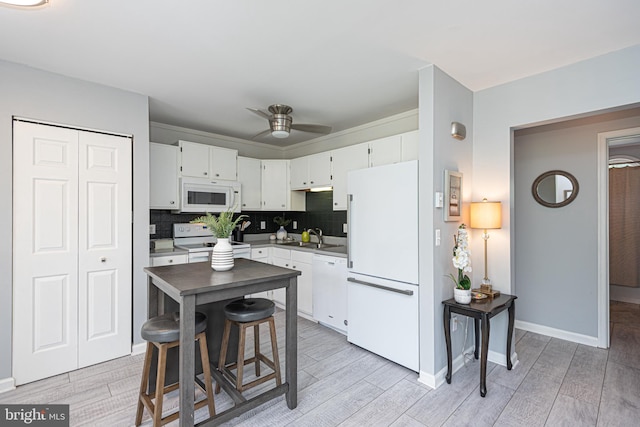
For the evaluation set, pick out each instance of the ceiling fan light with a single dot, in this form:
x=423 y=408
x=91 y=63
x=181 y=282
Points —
x=25 y=3
x=280 y=134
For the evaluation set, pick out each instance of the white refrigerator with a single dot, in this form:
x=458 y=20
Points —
x=382 y=290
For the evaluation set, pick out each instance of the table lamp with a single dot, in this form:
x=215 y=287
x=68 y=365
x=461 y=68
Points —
x=486 y=215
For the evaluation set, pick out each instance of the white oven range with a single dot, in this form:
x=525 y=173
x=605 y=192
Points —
x=198 y=241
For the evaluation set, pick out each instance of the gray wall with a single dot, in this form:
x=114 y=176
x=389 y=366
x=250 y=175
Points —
x=442 y=101
x=556 y=248
x=597 y=84
x=35 y=94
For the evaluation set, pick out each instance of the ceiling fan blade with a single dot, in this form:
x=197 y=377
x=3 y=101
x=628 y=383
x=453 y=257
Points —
x=260 y=113
x=312 y=128
x=263 y=133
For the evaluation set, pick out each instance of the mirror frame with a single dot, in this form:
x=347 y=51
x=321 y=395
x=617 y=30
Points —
x=574 y=193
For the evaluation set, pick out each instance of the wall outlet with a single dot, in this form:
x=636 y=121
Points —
x=263 y=225
x=345 y=229
x=454 y=323
x=152 y=229
x=295 y=225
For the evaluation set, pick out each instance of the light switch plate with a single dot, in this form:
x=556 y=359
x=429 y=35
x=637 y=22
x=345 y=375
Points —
x=263 y=225
x=295 y=225
x=439 y=199
x=345 y=229
x=152 y=229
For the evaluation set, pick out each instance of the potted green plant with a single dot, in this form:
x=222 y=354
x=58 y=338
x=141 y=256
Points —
x=221 y=226
x=281 y=234
x=462 y=262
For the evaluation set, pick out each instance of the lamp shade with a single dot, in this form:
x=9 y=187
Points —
x=486 y=215
x=25 y=3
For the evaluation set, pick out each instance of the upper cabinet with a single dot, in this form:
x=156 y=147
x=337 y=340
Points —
x=163 y=176
x=206 y=161
x=344 y=160
x=385 y=151
x=311 y=171
x=250 y=177
x=410 y=146
x=276 y=189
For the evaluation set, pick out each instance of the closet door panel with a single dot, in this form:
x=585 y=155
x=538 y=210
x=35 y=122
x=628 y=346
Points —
x=45 y=251
x=105 y=247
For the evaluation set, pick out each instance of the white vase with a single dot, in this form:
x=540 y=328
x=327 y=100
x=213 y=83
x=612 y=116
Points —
x=281 y=234
x=462 y=296
x=222 y=255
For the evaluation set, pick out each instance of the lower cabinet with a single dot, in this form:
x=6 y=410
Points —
x=158 y=261
x=301 y=261
x=262 y=255
x=330 y=291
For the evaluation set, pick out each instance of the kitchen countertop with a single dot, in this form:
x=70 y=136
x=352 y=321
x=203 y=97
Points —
x=337 y=251
x=167 y=252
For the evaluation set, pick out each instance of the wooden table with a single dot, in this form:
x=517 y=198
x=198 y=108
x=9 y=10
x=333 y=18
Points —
x=481 y=311
x=194 y=284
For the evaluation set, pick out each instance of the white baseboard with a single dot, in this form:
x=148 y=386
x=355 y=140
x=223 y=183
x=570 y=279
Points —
x=7 y=384
x=138 y=348
x=435 y=381
x=557 y=333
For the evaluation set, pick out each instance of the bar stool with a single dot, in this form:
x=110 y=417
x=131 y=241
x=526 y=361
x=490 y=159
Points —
x=246 y=313
x=163 y=332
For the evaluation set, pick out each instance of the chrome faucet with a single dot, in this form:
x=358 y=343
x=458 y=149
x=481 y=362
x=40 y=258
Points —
x=318 y=234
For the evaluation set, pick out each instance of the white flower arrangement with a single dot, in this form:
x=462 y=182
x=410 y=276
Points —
x=462 y=258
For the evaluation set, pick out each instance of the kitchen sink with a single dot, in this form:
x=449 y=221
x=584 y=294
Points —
x=311 y=245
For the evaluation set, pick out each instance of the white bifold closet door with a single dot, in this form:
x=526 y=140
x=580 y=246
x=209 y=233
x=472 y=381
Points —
x=71 y=249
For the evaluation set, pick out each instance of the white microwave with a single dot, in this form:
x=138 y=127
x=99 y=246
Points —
x=201 y=195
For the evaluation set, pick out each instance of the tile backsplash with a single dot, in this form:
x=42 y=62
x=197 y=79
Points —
x=319 y=214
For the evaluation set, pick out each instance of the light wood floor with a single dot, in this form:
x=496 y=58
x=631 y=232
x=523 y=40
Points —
x=555 y=383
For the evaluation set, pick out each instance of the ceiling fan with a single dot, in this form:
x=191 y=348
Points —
x=280 y=122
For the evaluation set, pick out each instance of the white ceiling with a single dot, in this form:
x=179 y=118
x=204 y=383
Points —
x=336 y=62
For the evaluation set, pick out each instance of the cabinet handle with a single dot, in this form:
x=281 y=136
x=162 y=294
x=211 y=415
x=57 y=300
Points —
x=304 y=183
x=103 y=259
x=293 y=266
x=282 y=206
x=205 y=174
x=170 y=261
x=335 y=203
x=217 y=174
x=172 y=202
x=312 y=182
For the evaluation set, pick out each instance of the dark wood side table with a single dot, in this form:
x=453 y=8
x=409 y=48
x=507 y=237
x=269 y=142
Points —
x=481 y=311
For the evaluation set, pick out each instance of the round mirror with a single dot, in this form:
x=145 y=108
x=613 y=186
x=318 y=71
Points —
x=555 y=189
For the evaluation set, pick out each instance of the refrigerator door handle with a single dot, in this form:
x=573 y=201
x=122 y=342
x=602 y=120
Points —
x=349 y=224
x=384 y=288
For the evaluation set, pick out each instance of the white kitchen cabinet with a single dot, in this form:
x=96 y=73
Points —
x=250 y=177
x=194 y=159
x=410 y=146
x=281 y=258
x=276 y=189
x=330 y=291
x=223 y=163
x=206 y=161
x=157 y=261
x=302 y=262
x=385 y=151
x=344 y=160
x=262 y=255
x=299 y=173
x=311 y=171
x=163 y=176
